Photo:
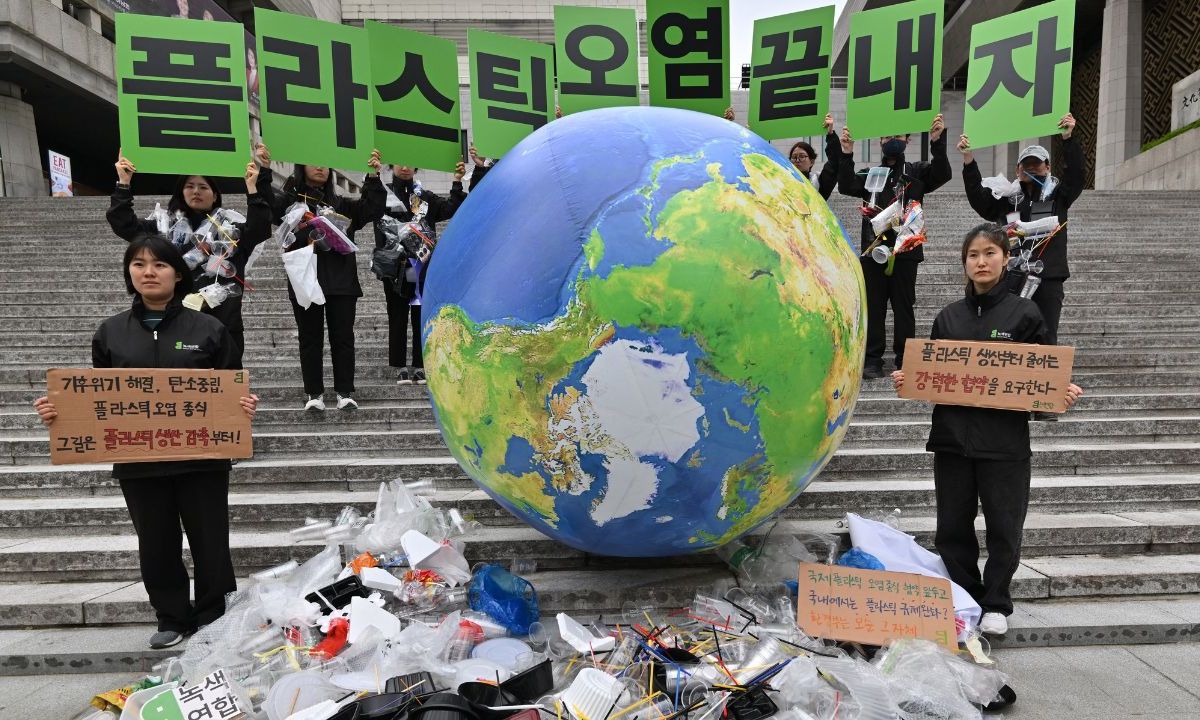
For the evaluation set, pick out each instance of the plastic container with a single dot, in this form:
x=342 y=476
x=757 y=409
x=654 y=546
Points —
x=528 y=685
x=444 y=706
x=592 y=694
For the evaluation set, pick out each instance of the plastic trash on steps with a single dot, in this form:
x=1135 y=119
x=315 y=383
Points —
x=581 y=638
x=927 y=681
x=865 y=684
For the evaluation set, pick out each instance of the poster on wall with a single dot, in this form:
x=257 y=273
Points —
x=60 y=175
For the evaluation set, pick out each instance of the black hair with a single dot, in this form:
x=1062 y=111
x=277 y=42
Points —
x=808 y=150
x=162 y=249
x=177 y=202
x=299 y=181
x=991 y=232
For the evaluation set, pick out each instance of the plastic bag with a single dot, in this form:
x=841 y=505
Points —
x=301 y=267
x=929 y=683
x=508 y=599
x=858 y=558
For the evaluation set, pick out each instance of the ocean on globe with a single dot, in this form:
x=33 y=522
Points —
x=644 y=331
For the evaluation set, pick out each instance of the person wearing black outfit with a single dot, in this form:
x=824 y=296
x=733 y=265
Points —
x=158 y=332
x=196 y=197
x=804 y=157
x=898 y=285
x=337 y=275
x=1041 y=196
x=404 y=297
x=982 y=456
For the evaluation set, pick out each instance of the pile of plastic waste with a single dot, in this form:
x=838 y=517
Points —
x=390 y=622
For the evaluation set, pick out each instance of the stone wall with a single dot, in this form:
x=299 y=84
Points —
x=1173 y=165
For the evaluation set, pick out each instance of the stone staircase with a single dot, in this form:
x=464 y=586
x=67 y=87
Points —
x=1112 y=543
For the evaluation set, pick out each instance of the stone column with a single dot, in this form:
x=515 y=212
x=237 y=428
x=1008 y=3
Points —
x=19 y=146
x=1119 y=127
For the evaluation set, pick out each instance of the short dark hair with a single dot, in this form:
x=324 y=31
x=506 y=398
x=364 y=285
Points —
x=177 y=203
x=162 y=249
x=991 y=232
x=808 y=150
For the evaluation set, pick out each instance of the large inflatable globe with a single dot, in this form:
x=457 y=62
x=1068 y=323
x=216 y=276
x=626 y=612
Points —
x=644 y=331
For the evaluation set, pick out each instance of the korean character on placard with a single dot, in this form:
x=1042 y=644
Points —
x=675 y=35
x=915 y=45
x=922 y=379
x=499 y=82
x=100 y=408
x=413 y=77
x=215 y=680
x=345 y=91
x=928 y=350
x=789 y=87
x=190 y=695
x=186 y=93
x=226 y=707
x=205 y=712
x=1003 y=72
x=598 y=68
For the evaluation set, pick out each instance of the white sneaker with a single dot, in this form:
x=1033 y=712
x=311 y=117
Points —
x=993 y=623
x=346 y=403
x=315 y=403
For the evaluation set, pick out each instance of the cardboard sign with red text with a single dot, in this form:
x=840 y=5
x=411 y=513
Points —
x=1001 y=375
x=874 y=606
x=141 y=415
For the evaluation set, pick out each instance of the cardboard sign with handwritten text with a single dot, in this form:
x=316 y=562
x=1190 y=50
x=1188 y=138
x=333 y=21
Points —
x=874 y=606
x=1001 y=375
x=140 y=415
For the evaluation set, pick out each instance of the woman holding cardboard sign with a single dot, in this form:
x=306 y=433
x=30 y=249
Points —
x=982 y=456
x=159 y=332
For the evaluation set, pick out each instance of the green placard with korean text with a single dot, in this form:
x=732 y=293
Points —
x=511 y=89
x=789 y=77
x=895 y=83
x=687 y=52
x=597 y=56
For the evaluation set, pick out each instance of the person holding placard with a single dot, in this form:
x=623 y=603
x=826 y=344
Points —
x=982 y=456
x=337 y=273
x=804 y=158
x=159 y=332
x=191 y=207
x=1036 y=194
x=408 y=201
x=896 y=281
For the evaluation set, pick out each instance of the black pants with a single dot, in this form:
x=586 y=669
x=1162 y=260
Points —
x=157 y=505
x=338 y=313
x=900 y=289
x=1002 y=488
x=399 y=315
x=1049 y=299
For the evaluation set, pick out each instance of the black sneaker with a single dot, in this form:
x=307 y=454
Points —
x=872 y=372
x=419 y=376
x=404 y=378
x=165 y=639
x=1045 y=417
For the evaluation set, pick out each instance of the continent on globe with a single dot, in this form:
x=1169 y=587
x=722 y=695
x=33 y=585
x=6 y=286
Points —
x=644 y=332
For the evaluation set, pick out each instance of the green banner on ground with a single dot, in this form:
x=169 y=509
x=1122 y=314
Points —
x=597 y=57
x=316 y=100
x=414 y=95
x=1019 y=74
x=789 y=79
x=895 y=83
x=687 y=50
x=511 y=90
x=181 y=95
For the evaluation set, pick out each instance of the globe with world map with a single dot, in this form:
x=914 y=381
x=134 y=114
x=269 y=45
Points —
x=644 y=331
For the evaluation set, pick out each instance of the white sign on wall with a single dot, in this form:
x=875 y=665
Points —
x=60 y=175
x=1185 y=101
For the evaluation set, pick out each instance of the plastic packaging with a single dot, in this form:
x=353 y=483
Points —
x=865 y=684
x=592 y=694
x=508 y=599
x=927 y=681
x=859 y=558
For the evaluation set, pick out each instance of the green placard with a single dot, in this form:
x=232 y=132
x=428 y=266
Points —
x=414 y=97
x=597 y=55
x=1019 y=76
x=511 y=89
x=181 y=95
x=789 y=78
x=895 y=69
x=316 y=105
x=687 y=50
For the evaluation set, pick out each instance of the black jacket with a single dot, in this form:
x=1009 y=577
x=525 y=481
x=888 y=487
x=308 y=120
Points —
x=336 y=273
x=127 y=225
x=184 y=339
x=924 y=177
x=984 y=433
x=477 y=175
x=997 y=209
x=440 y=210
x=828 y=178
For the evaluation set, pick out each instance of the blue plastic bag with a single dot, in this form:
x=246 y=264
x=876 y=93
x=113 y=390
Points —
x=857 y=558
x=506 y=598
